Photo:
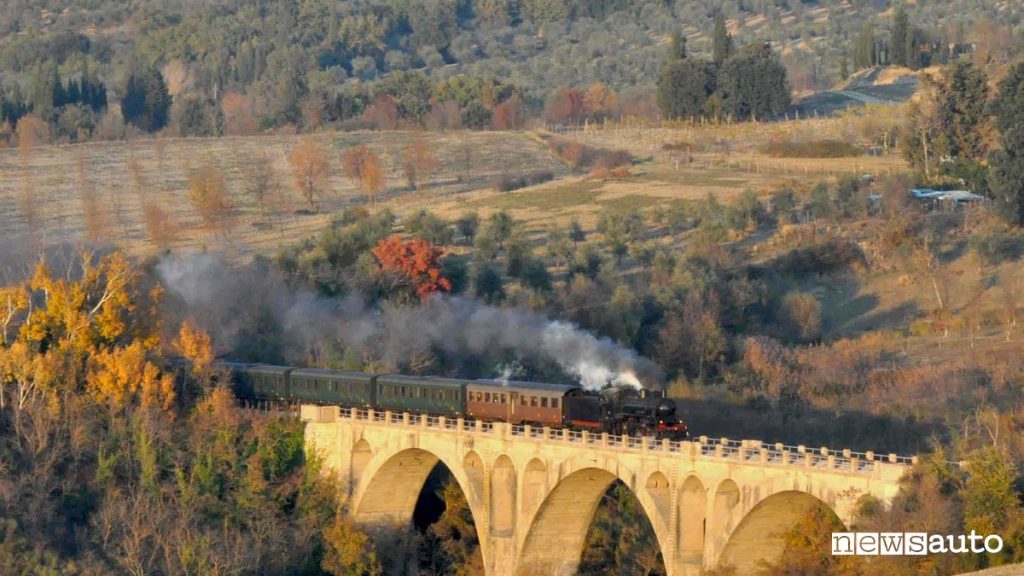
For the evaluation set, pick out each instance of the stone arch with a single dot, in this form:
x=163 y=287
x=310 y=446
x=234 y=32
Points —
x=693 y=508
x=362 y=453
x=658 y=489
x=534 y=485
x=503 y=496
x=724 y=511
x=553 y=543
x=759 y=535
x=473 y=466
x=391 y=484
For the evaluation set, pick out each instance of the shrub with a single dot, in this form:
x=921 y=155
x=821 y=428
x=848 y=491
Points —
x=811 y=149
x=801 y=316
x=507 y=183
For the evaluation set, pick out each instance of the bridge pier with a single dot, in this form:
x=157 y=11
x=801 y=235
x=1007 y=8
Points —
x=533 y=495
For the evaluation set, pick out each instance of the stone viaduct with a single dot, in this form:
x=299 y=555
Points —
x=533 y=491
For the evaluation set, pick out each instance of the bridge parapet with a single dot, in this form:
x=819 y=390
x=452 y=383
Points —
x=752 y=452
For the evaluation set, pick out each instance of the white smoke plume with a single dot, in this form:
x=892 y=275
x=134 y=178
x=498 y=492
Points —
x=239 y=304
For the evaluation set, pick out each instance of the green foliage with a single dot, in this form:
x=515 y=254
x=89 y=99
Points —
x=467 y=225
x=900 y=38
x=960 y=110
x=811 y=149
x=1007 y=178
x=684 y=87
x=621 y=540
x=747 y=213
x=721 y=42
x=430 y=227
x=411 y=90
x=146 y=102
x=487 y=284
x=753 y=84
x=991 y=504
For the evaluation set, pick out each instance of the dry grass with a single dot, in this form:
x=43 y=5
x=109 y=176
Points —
x=127 y=176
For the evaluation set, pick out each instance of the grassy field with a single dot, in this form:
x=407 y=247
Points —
x=48 y=184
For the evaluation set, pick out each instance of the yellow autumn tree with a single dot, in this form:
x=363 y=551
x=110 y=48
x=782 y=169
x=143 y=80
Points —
x=26 y=375
x=13 y=302
x=97 y=306
x=194 y=345
x=121 y=376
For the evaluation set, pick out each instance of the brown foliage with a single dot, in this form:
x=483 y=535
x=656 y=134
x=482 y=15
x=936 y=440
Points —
x=509 y=114
x=239 y=114
x=207 y=191
x=92 y=207
x=28 y=201
x=418 y=163
x=161 y=228
x=32 y=131
x=309 y=169
x=565 y=106
x=365 y=169
x=600 y=101
x=383 y=113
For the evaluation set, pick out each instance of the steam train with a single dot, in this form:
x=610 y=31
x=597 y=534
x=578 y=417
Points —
x=616 y=410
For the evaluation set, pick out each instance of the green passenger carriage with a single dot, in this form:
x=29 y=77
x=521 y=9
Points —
x=318 y=386
x=400 y=393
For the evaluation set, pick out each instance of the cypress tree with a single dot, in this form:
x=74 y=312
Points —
x=1007 y=175
x=961 y=109
x=133 y=103
x=684 y=87
x=721 y=42
x=900 y=37
x=753 y=84
x=146 y=102
x=158 y=101
x=677 y=47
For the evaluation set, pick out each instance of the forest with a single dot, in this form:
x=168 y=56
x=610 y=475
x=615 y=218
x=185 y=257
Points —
x=103 y=70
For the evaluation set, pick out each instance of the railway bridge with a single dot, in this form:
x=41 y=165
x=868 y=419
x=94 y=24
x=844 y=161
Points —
x=533 y=491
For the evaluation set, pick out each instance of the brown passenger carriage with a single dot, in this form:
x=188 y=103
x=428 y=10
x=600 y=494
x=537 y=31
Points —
x=517 y=402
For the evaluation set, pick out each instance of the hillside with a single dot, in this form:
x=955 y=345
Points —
x=319 y=49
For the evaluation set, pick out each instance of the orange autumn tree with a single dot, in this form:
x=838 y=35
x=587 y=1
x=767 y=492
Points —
x=365 y=169
x=92 y=327
x=194 y=345
x=413 y=263
x=121 y=376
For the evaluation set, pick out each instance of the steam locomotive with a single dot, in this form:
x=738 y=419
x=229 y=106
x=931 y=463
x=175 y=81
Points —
x=616 y=410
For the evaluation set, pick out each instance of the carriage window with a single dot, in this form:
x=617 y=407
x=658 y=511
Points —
x=487 y=397
x=503 y=399
x=522 y=400
x=544 y=402
x=554 y=402
x=533 y=401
